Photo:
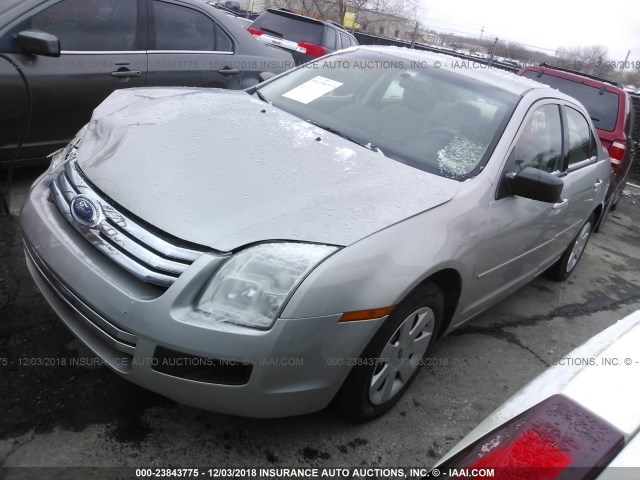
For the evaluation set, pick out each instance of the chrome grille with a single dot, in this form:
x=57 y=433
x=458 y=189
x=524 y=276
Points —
x=141 y=252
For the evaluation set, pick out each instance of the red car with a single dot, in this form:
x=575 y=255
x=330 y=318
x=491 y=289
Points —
x=611 y=111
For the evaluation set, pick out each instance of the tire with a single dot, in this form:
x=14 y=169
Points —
x=375 y=385
x=566 y=264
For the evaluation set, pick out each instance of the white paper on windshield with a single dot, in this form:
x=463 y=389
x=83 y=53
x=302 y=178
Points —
x=312 y=89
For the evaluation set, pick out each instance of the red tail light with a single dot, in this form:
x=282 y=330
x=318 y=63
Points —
x=616 y=153
x=254 y=31
x=313 y=49
x=554 y=439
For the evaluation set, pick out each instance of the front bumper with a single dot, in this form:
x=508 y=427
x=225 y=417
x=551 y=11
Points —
x=295 y=367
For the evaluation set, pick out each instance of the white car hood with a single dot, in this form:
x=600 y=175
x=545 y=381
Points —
x=608 y=388
x=223 y=169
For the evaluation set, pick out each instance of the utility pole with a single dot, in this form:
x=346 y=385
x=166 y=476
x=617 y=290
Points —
x=492 y=52
x=626 y=59
x=415 y=34
x=596 y=71
x=481 y=32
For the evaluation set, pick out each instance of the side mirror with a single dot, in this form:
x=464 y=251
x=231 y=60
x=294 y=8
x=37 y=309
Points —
x=535 y=184
x=38 y=43
x=264 y=76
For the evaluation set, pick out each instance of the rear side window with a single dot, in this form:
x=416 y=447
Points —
x=181 y=28
x=89 y=25
x=330 y=39
x=581 y=143
x=346 y=41
x=602 y=107
x=289 y=28
x=629 y=121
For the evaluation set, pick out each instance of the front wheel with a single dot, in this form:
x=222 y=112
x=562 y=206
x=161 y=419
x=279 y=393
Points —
x=390 y=362
x=561 y=270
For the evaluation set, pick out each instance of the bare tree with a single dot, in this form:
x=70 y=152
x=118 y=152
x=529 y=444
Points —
x=631 y=77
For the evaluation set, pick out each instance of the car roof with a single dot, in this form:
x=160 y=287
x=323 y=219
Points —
x=468 y=68
x=579 y=77
x=624 y=98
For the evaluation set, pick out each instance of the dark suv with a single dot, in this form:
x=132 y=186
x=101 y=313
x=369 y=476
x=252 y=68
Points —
x=305 y=37
x=611 y=111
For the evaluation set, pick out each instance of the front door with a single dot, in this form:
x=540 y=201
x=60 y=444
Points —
x=102 y=49
x=523 y=234
x=189 y=48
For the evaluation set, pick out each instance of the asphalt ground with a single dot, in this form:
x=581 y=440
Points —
x=84 y=415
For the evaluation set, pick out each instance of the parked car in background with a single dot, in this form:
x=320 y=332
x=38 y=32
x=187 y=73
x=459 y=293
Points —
x=94 y=47
x=231 y=5
x=579 y=419
x=612 y=113
x=307 y=38
x=310 y=238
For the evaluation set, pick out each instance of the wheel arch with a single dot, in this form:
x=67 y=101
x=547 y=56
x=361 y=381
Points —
x=449 y=281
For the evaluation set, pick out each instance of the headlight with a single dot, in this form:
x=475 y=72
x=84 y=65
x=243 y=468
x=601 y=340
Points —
x=251 y=287
x=62 y=155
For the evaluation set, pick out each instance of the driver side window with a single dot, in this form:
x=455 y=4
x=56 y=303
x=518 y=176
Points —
x=89 y=25
x=540 y=142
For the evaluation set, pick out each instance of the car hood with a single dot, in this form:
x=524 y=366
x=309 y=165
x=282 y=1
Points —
x=223 y=169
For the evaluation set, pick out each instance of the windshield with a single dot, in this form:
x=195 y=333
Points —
x=6 y=5
x=435 y=120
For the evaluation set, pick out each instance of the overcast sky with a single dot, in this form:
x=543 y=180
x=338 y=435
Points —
x=543 y=23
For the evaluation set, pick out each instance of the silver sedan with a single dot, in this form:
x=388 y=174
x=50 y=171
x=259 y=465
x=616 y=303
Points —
x=264 y=253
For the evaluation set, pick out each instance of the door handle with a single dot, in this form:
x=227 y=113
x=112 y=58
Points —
x=597 y=184
x=562 y=204
x=229 y=71
x=126 y=73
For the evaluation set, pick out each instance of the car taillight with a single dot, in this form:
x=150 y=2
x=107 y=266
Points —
x=313 y=49
x=555 y=439
x=254 y=31
x=616 y=153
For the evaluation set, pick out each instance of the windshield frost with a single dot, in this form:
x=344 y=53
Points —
x=432 y=119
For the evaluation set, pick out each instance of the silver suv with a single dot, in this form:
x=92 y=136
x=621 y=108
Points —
x=263 y=253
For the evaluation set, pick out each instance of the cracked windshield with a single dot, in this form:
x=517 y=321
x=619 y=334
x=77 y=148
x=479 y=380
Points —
x=418 y=115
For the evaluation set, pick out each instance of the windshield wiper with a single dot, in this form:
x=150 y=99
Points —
x=368 y=145
x=371 y=146
x=262 y=97
x=271 y=31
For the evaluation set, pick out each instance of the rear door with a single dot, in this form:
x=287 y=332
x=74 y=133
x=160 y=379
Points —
x=584 y=183
x=187 y=47
x=102 y=43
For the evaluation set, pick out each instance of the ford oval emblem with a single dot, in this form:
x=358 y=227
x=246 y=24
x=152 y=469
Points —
x=85 y=211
